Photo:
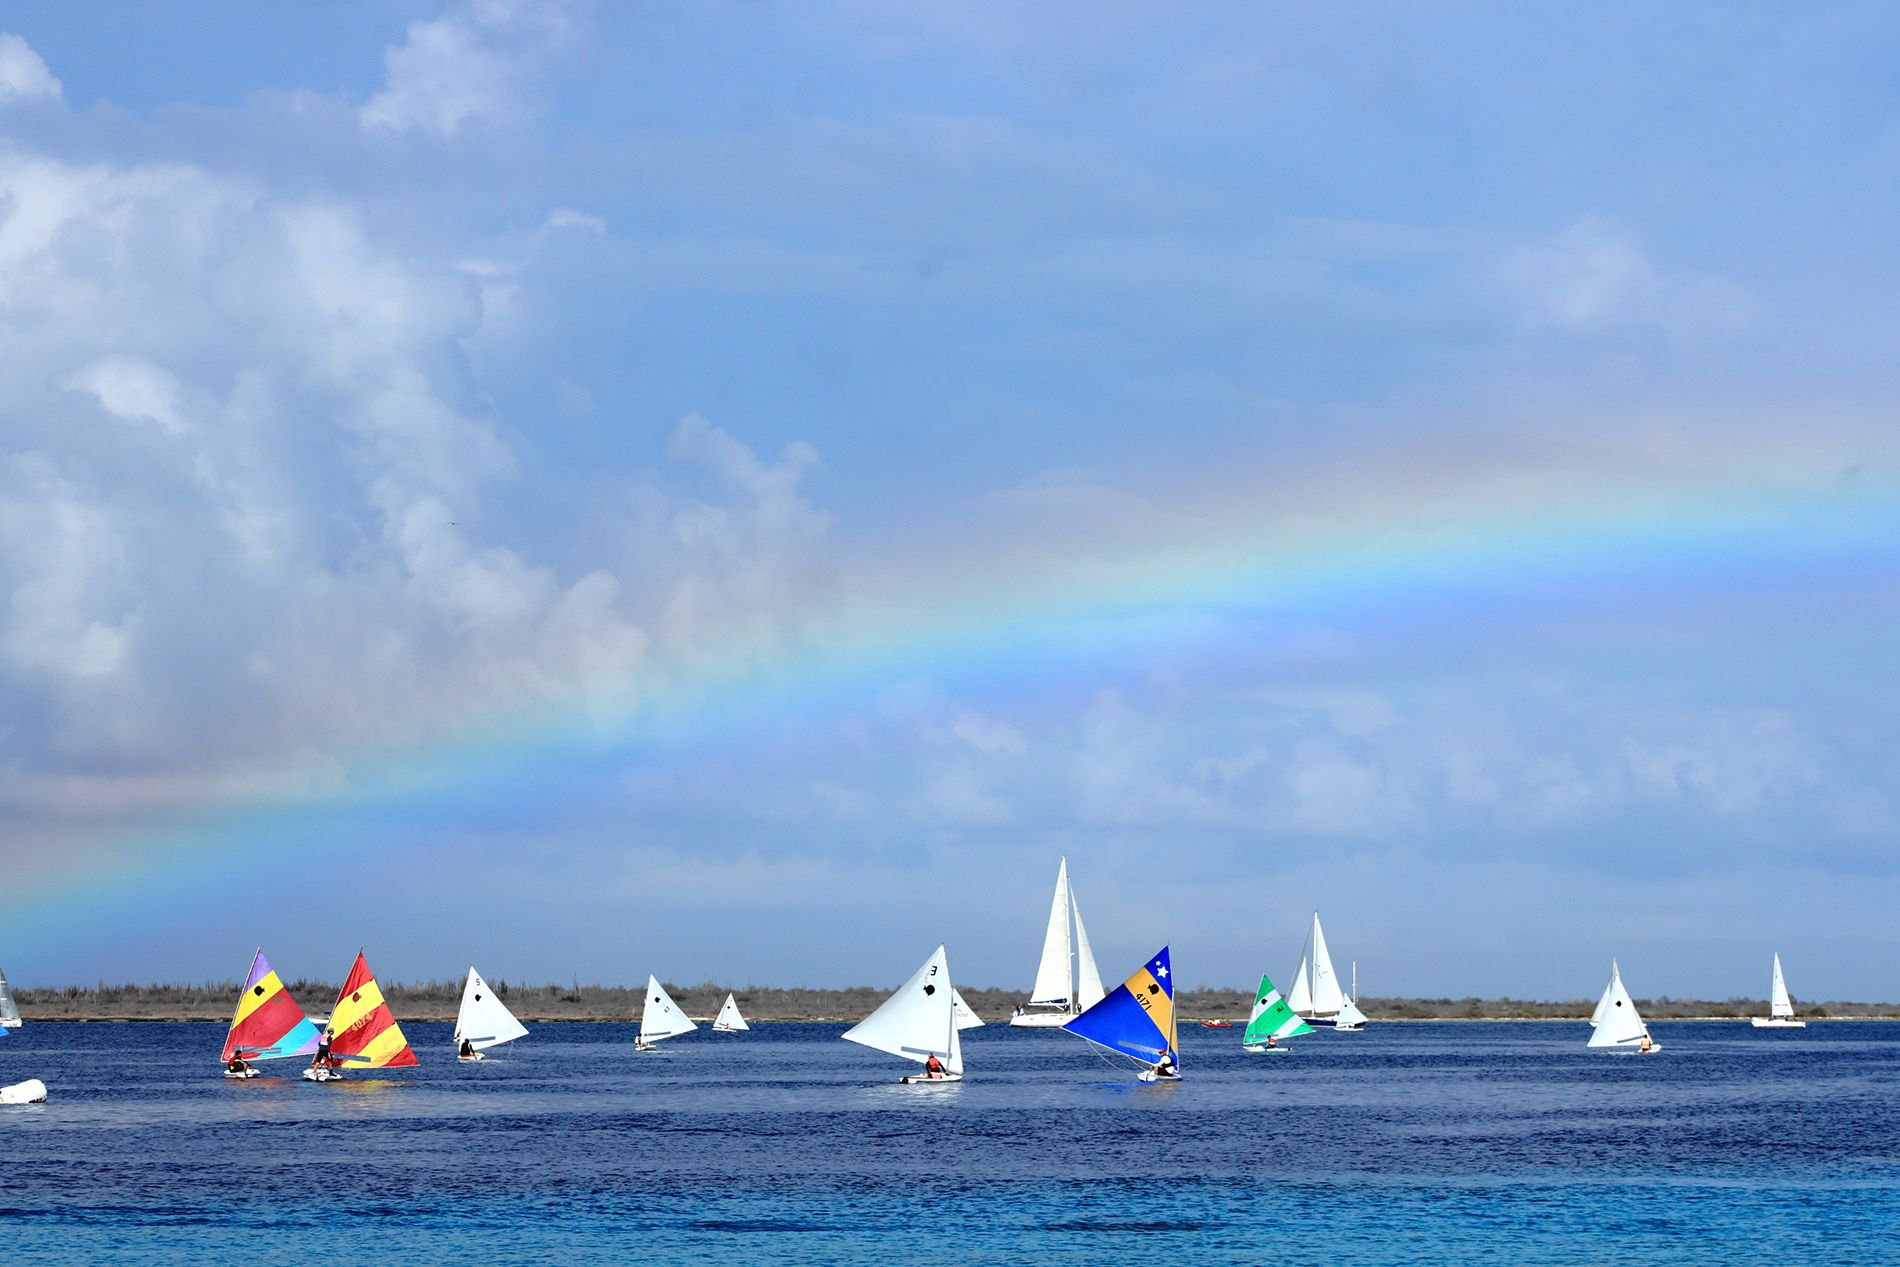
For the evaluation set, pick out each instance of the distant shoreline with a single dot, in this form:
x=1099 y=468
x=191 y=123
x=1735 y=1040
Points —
x=439 y=1001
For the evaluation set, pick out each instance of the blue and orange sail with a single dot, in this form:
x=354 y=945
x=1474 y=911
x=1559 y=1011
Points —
x=268 y=1024
x=1136 y=1018
x=363 y=1029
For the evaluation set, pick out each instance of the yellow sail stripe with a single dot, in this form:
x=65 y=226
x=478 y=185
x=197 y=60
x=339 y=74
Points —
x=251 y=1000
x=383 y=1048
x=1156 y=1002
x=353 y=1007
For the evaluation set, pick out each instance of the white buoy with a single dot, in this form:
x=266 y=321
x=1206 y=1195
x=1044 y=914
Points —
x=32 y=1091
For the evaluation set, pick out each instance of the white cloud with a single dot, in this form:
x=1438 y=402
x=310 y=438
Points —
x=133 y=388
x=1595 y=276
x=988 y=735
x=470 y=65
x=23 y=76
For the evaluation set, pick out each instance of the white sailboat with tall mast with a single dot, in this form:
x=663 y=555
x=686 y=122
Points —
x=1618 y=1027
x=660 y=1017
x=484 y=1020
x=919 y=1023
x=1780 y=1006
x=1067 y=980
x=1314 y=994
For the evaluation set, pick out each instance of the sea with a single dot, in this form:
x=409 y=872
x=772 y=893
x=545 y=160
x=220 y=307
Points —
x=1457 y=1142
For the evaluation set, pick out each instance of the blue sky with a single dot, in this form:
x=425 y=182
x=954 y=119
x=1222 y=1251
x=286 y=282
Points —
x=378 y=376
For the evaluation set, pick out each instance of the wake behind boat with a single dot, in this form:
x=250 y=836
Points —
x=1135 y=1022
x=1780 y=1006
x=1058 y=997
x=919 y=1023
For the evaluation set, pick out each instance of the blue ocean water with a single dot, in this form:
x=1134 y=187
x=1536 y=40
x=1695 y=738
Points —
x=1407 y=1143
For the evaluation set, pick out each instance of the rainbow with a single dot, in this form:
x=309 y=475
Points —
x=1316 y=545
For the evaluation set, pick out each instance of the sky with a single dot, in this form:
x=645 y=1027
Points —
x=738 y=491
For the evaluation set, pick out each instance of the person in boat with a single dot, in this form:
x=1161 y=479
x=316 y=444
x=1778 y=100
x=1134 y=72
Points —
x=933 y=1068
x=1270 y=1041
x=322 y=1059
x=237 y=1064
x=1166 y=1068
x=466 y=1051
x=1645 y=1045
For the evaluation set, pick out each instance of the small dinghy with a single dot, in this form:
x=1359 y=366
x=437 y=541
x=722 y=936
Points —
x=1273 y=1019
x=1780 y=1006
x=729 y=1021
x=363 y=1031
x=484 y=1020
x=1617 y=1027
x=660 y=1018
x=919 y=1023
x=268 y=1024
x=1136 y=1022
x=32 y=1091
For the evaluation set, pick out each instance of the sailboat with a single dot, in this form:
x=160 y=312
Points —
x=1060 y=995
x=1603 y=1004
x=484 y=1020
x=1780 y=1006
x=918 y=1023
x=268 y=1024
x=1136 y=1021
x=965 y=1014
x=661 y=1017
x=363 y=1032
x=32 y=1091
x=1619 y=1027
x=1350 y=1017
x=729 y=1021
x=1315 y=992
x=1272 y=1019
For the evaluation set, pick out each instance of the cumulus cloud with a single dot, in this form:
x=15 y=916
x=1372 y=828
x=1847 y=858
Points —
x=23 y=75
x=467 y=66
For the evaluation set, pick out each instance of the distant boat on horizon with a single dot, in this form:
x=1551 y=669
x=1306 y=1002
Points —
x=1617 y=1025
x=1314 y=993
x=660 y=1017
x=1272 y=1019
x=729 y=1021
x=1780 y=1006
x=1063 y=993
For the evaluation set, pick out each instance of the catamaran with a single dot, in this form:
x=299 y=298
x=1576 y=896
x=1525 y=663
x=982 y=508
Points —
x=1272 y=1020
x=918 y=1023
x=1619 y=1027
x=729 y=1021
x=1315 y=992
x=661 y=1018
x=268 y=1024
x=1135 y=1021
x=32 y=1091
x=484 y=1020
x=362 y=1032
x=1061 y=992
x=1780 y=1006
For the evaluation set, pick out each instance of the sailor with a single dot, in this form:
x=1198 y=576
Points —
x=237 y=1064
x=1645 y=1045
x=1166 y=1068
x=322 y=1059
x=467 y=1050
x=933 y=1068
x=1270 y=1041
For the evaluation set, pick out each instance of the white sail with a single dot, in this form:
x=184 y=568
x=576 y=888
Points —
x=1603 y=1004
x=1299 y=995
x=9 y=1010
x=729 y=1021
x=1780 y=1006
x=965 y=1014
x=485 y=1020
x=1620 y=1026
x=661 y=1017
x=1350 y=1017
x=1052 y=974
x=918 y=1020
x=1088 y=978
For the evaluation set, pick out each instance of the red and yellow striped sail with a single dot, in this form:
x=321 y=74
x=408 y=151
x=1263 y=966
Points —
x=363 y=1027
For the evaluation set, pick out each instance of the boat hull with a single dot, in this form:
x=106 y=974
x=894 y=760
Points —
x=239 y=1077
x=315 y=1074
x=1763 y=1022
x=1149 y=1075
x=32 y=1091
x=925 y=1080
x=1260 y=1049
x=1332 y=1023
x=1041 y=1020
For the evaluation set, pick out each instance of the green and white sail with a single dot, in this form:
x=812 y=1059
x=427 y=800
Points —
x=1272 y=1017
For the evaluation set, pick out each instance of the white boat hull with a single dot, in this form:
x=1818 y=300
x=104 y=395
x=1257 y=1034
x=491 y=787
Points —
x=1763 y=1022
x=239 y=1077
x=1149 y=1075
x=471 y=1058
x=1261 y=1049
x=315 y=1074
x=32 y=1091
x=925 y=1080
x=1041 y=1020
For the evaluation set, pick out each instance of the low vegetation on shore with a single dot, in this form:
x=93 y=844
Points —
x=438 y=1001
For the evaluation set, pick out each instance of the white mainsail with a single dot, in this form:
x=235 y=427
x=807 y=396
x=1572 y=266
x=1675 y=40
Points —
x=9 y=1010
x=1620 y=1026
x=485 y=1020
x=729 y=1021
x=965 y=1014
x=1350 y=1017
x=1053 y=982
x=1315 y=990
x=1603 y=1004
x=1088 y=978
x=1780 y=1006
x=919 y=1020
x=661 y=1017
